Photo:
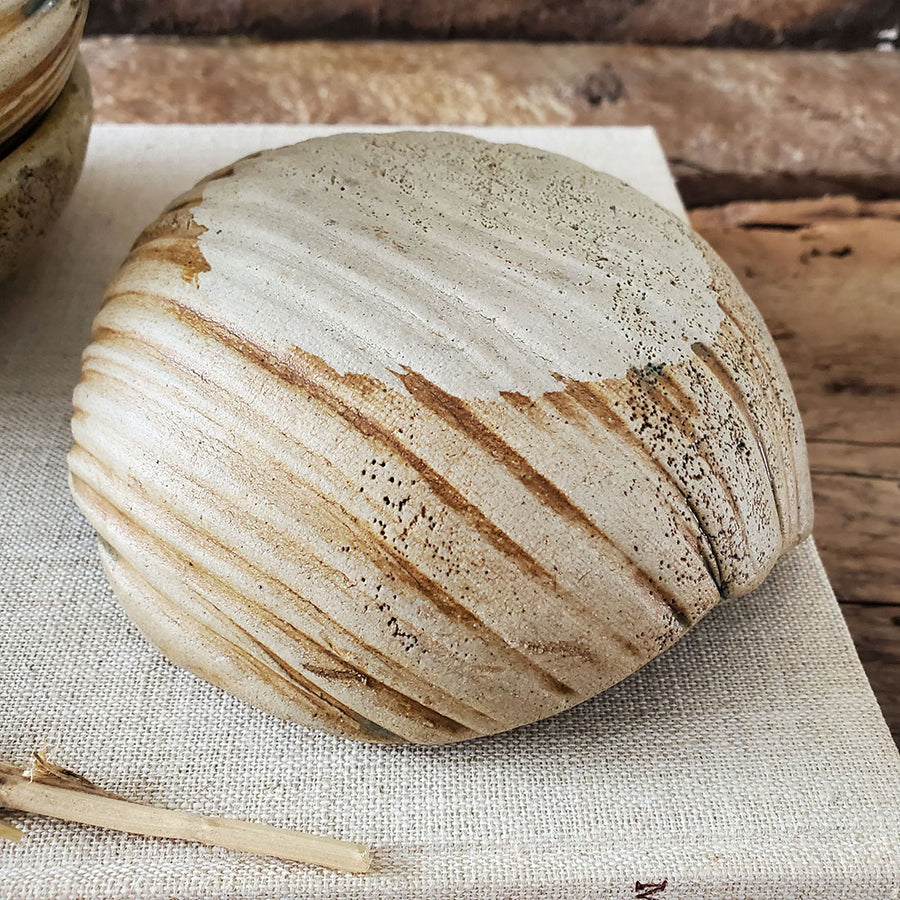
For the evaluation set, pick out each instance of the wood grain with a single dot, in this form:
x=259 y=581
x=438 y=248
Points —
x=741 y=23
x=734 y=124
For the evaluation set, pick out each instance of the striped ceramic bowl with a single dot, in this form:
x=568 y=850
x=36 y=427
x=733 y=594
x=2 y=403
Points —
x=38 y=46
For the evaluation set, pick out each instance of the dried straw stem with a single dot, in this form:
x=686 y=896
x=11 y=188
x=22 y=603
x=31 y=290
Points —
x=10 y=832
x=48 y=790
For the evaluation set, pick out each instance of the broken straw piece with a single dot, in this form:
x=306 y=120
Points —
x=48 y=790
x=10 y=832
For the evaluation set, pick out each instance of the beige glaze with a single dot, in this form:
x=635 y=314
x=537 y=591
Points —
x=418 y=438
x=39 y=175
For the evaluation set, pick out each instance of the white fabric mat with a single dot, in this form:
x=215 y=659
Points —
x=751 y=761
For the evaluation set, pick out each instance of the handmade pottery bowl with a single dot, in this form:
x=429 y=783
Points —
x=415 y=437
x=38 y=47
x=39 y=173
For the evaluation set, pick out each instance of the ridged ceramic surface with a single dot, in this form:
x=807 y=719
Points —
x=38 y=46
x=419 y=438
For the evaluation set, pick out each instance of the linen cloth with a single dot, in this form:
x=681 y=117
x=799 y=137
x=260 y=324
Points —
x=750 y=761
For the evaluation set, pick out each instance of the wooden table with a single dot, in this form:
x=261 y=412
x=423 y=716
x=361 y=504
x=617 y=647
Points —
x=757 y=127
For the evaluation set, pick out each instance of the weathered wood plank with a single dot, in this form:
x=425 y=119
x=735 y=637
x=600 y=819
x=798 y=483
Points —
x=830 y=292
x=857 y=526
x=741 y=23
x=828 y=283
x=797 y=213
x=857 y=458
x=734 y=124
x=876 y=633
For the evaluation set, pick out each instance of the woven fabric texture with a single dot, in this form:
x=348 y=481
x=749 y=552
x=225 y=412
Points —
x=750 y=761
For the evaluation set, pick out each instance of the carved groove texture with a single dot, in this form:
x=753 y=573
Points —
x=419 y=438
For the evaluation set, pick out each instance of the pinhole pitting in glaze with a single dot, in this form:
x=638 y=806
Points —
x=38 y=47
x=415 y=437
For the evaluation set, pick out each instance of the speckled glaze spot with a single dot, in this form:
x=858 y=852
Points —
x=412 y=437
